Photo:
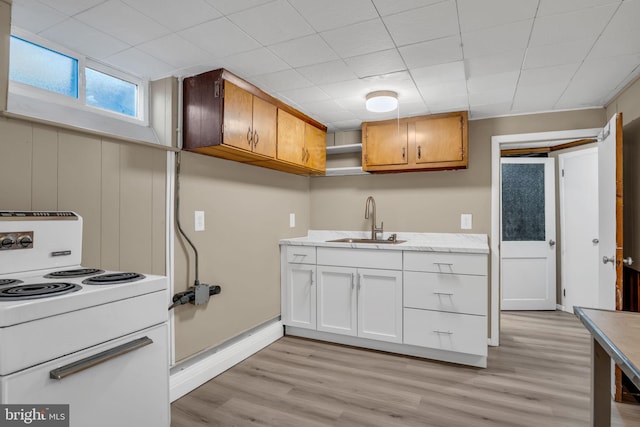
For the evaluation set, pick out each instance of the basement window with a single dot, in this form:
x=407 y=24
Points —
x=40 y=70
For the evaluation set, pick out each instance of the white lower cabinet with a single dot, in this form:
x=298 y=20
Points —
x=360 y=302
x=301 y=296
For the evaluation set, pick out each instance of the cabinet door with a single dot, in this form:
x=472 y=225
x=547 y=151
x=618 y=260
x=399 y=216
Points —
x=384 y=144
x=301 y=296
x=380 y=305
x=290 y=147
x=264 y=127
x=315 y=141
x=439 y=140
x=238 y=116
x=337 y=303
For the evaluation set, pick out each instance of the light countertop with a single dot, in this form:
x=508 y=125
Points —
x=428 y=242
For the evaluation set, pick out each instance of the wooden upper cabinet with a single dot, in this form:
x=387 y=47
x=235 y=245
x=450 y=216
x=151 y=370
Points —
x=433 y=142
x=385 y=143
x=290 y=139
x=315 y=141
x=224 y=116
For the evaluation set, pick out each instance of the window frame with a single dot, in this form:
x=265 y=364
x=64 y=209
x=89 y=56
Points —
x=142 y=104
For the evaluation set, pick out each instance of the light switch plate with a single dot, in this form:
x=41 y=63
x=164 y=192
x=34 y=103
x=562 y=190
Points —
x=466 y=221
x=199 y=220
x=292 y=220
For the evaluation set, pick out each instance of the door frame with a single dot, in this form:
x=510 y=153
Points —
x=498 y=143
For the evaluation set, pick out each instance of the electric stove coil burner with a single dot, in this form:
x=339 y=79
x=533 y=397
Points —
x=37 y=290
x=77 y=272
x=4 y=282
x=113 y=278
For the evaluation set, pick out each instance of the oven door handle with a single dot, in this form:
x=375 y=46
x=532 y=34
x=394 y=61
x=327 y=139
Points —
x=96 y=359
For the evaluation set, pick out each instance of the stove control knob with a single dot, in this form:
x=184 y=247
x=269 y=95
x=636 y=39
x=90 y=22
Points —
x=6 y=242
x=25 y=241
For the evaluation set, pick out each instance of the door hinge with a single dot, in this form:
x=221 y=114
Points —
x=216 y=89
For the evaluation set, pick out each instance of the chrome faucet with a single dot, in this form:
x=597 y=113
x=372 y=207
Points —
x=374 y=228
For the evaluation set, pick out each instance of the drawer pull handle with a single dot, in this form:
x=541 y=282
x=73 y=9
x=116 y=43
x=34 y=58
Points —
x=443 y=332
x=449 y=294
x=450 y=264
x=96 y=359
x=302 y=255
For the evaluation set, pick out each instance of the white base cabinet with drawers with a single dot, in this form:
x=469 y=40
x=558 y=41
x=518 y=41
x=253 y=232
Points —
x=426 y=304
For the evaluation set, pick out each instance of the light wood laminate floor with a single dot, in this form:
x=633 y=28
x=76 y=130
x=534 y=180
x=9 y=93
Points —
x=539 y=376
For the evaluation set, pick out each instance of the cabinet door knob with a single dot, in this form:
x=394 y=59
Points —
x=249 y=137
x=256 y=138
x=419 y=152
x=404 y=152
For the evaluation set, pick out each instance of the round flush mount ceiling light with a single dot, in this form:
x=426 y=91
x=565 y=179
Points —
x=382 y=101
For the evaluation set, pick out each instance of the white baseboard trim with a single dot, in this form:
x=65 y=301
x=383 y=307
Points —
x=560 y=307
x=194 y=375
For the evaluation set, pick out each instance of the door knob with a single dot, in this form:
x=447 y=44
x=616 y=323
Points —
x=605 y=260
x=627 y=261
x=552 y=242
x=595 y=241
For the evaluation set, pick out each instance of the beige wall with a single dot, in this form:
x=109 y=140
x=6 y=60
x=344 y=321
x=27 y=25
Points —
x=246 y=214
x=118 y=189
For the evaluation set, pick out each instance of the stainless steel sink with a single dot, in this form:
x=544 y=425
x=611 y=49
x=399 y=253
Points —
x=373 y=241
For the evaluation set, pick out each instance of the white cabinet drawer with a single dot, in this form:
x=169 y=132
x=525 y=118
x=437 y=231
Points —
x=446 y=292
x=364 y=258
x=301 y=254
x=444 y=262
x=462 y=333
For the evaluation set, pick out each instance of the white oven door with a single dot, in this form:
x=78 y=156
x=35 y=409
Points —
x=123 y=382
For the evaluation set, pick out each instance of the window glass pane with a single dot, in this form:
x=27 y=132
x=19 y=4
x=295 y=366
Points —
x=523 y=216
x=43 y=68
x=111 y=93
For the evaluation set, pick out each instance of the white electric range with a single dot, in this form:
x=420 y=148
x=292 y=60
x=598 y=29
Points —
x=96 y=340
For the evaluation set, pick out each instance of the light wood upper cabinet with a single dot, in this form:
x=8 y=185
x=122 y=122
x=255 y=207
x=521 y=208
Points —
x=224 y=116
x=315 y=141
x=433 y=142
x=386 y=143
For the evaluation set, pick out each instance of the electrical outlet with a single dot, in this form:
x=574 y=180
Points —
x=199 y=220
x=292 y=220
x=466 y=221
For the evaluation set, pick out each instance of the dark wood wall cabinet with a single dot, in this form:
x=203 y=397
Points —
x=434 y=142
x=225 y=116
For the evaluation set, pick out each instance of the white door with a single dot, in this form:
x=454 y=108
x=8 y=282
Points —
x=337 y=301
x=528 y=234
x=610 y=267
x=380 y=304
x=301 y=296
x=579 y=228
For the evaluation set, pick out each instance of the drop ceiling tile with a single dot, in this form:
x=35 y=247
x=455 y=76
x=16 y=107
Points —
x=448 y=104
x=329 y=14
x=174 y=50
x=69 y=7
x=281 y=80
x=440 y=73
x=255 y=62
x=389 y=7
x=616 y=45
x=220 y=37
x=359 y=39
x=323 y=107
x=122 y=22
x=493 y=64
x=176 y=15
x=489 y=110
x=558 y=53
x=415 y=107
x=328 y=72
x=336 y=116
x=432 y=52
x=93 y=43
x=272 y=22
x=140 y=63
x=495 y=40
x=428 y=23
x=502 y=82
x=477 y=15
x=34 y=16
x=347 y=92
x=372 y=64
x=542 y=97
x=305 y=95
x=438 y=93
x=555 y=75
x=583 y=24
x=232 y=6
x=555 y=7
x=346 y=125
x=626 y=17
x=303 y=51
